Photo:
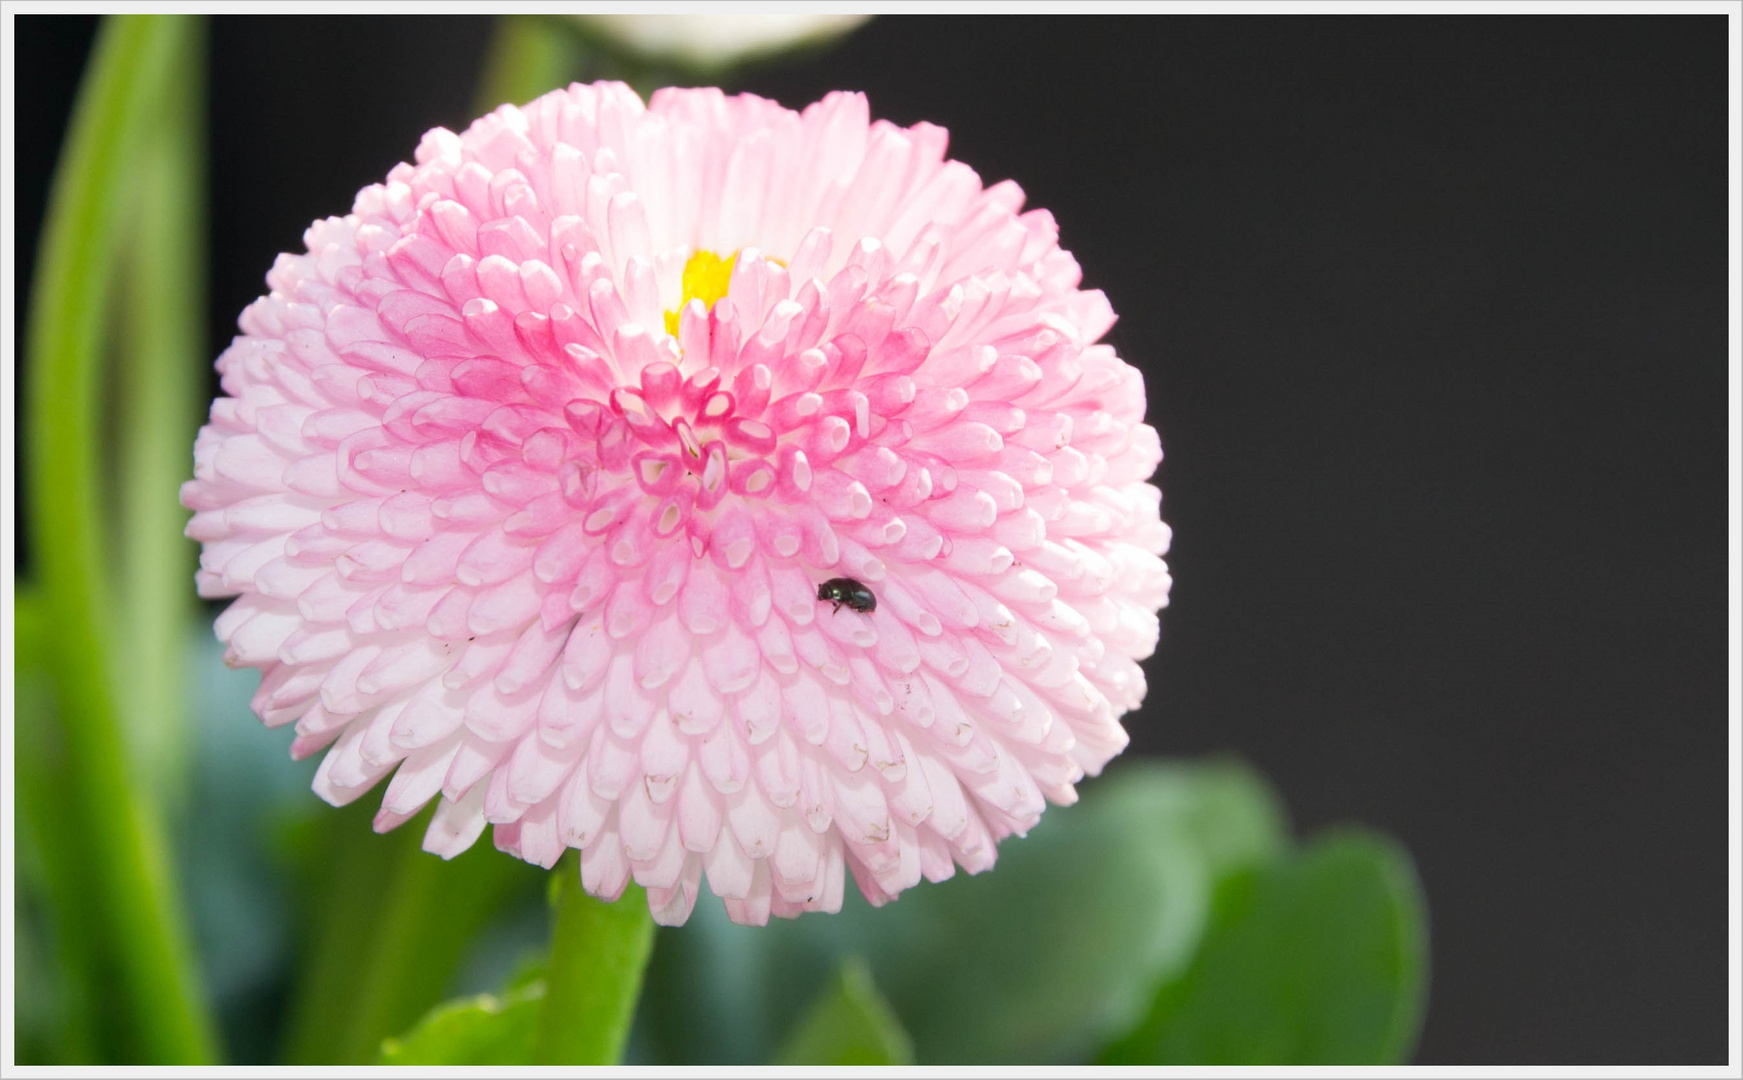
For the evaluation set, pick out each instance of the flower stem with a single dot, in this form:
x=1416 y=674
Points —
x=142 y=924
x=598 y=954
x=390 y=924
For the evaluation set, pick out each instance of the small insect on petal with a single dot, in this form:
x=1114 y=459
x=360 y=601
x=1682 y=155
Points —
x=843 y=590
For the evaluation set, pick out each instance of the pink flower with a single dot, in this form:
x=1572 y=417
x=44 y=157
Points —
x=531 y=469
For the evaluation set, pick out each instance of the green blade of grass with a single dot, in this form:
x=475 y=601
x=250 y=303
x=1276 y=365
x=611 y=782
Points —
x=162 y=359
x=142 y=927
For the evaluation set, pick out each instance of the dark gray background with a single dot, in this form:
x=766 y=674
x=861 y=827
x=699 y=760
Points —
x=1432 y=315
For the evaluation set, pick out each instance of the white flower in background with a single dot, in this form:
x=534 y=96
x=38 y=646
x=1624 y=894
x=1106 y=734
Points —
x=718 y=40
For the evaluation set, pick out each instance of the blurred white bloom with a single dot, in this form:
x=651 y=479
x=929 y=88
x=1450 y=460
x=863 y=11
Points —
x=717 y=40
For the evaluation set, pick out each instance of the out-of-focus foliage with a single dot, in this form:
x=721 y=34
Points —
x=1319 y=959
x=850 y=1024
x=117 y=294
x=1053 y=954
x=574 y=1007
x=1165 y=918
x=387 y=928
x=481 y=1030
x=165 y=842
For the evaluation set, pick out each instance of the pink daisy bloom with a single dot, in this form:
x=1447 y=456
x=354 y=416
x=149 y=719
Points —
x=721 y=490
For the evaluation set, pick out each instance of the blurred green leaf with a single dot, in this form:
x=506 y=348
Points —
x=598 y=954
x=1319 y=960
x=482 y=1030
x=159 y=381
x=59 y=1003
x=529 y=55
x=1046 y=958
x=389 y=925
x=131 y=98
x=1058 y=948
x=850 y=1024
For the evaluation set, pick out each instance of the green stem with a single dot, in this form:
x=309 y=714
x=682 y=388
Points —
x=129 y=860
x=391 y=925
x=598 y=954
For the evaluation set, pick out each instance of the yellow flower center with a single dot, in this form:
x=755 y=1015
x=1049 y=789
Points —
x=706 y=277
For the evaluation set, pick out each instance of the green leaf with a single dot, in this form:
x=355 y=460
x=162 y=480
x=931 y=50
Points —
x=389 y=926
x=130 y=96
x=55 y=896
x=159 y=378
x=482 y=1030
x=1321 y=959
x=1057 y=949
x=598 y=954
x=1054 y=952
x=573 y=1009
x=851 y=1024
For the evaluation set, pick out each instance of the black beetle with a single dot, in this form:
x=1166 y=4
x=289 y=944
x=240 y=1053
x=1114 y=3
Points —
x=845 y=590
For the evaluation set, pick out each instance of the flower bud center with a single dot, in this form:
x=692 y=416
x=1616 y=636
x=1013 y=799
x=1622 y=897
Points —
x=706 y=278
